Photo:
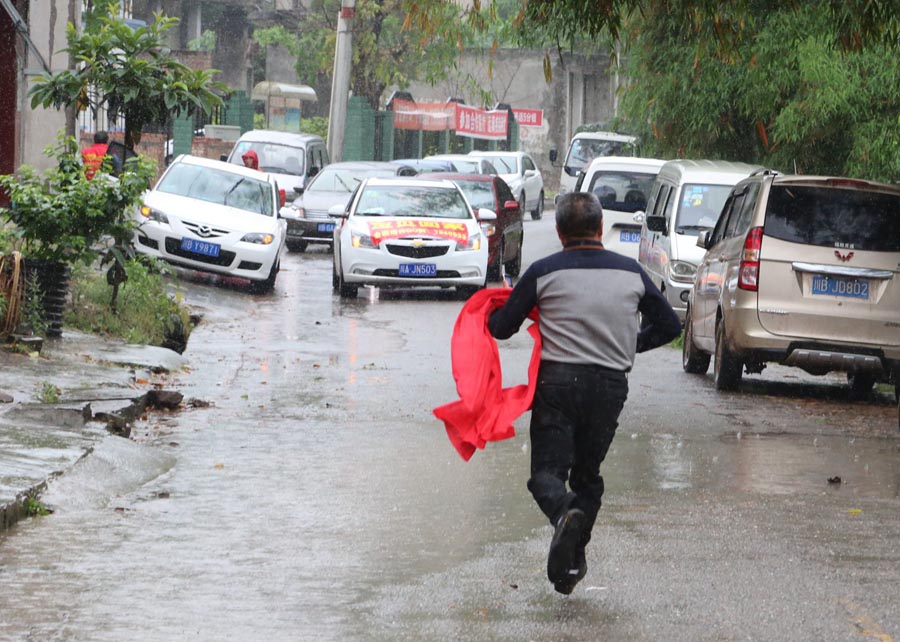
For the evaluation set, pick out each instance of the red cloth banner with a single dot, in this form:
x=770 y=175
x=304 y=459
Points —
x=423 y=116
x=395 y=229
x=529 y=117
x=478 y=123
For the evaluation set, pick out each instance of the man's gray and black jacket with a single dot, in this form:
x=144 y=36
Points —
x=588 y=302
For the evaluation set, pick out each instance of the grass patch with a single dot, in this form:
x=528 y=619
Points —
x=678 y=342
x=34 y=507
x=146 y=313
x=49 y=393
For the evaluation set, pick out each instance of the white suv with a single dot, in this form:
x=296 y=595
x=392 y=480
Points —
x=523 y=177
x=802 y=271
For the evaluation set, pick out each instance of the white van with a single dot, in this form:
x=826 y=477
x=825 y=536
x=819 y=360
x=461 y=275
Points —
x=585 y=147
x=686 y=198
x=623 y=184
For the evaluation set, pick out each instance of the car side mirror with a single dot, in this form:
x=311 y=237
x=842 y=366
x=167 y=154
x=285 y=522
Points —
x=338 y=211
x=530 y=172
x=638 y=216
x=703 y=239
x=282 y=197
x=484 y=214
x=298 y=189
x=553 y=155
x=656 y=223
x=223 y=158
x=511 y=205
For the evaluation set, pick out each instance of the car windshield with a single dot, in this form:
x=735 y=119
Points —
x=480 y=194
x=467 y=166
x=622 y=191
x=273 y=157
x=584 y=150
x=504 y=164
x=222 y=188
x=345 y=180
x=700 y=207
x=830 y=217
x=407 y=200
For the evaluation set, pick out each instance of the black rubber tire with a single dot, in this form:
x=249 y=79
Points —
x=693 y=361
x=297 y=246
x=860 y=385
x=268 y=284
x=514 y=267
x=346 y=290
x=463 y=292
x=538 y=212
x=728 y=367
x=335 y=282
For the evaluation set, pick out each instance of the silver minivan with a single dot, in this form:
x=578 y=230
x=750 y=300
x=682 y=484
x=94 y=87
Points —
x=290 y=158
x=686 y=198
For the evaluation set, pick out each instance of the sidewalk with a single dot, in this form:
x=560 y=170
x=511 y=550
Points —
x=101 y=385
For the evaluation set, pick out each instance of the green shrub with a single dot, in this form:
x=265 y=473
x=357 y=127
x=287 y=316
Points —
x=146 y=312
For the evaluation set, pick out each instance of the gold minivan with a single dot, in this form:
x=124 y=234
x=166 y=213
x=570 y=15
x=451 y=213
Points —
x=803 y=271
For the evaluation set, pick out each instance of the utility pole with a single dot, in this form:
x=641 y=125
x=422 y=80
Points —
x=340 y=80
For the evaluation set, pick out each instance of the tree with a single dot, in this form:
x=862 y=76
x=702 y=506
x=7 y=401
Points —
x=385 y=53
x=128 y=72
x=786 y=95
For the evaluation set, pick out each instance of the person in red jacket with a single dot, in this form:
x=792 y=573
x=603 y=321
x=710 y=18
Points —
x=93 y=156
x=250 y=159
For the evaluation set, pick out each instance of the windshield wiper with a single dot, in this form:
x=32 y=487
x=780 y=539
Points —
x=373 y=213
x=228 y=193
x=347 y=187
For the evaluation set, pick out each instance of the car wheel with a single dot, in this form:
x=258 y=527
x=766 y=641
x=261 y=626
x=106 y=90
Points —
x=346 y=290
x=728 y=368
x=538 y=212
x=267 y=284
x=335 y=281
x=465 y=291
x=860 y=384
x=297 y=246
x=495 y=271
x=693 y=361
x=514 y=267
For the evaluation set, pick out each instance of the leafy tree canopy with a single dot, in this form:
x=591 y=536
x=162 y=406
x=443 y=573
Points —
x=129 y=72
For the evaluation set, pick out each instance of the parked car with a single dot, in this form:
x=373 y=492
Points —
x=686 y=198
x=307 y=217
x=291 y=158
x=622 y=183
x=215 y=217
x=523 y=177
x=421 y=165
x=802 y=271
x=465 y=164
x=506 y=235
x=585 y=147
x=404 y=232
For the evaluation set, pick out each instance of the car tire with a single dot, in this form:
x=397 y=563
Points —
x=335 y=281
x=463 y=292
x=495 y=271
x=267 y=284
x=346 y=290
x=538 y=212
x=860 y=384
x=514 y=267
x=728 y=367
x=693 y=361
x=297 y=246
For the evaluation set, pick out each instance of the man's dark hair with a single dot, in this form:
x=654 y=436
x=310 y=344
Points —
x=101 y=137
x=578 y=215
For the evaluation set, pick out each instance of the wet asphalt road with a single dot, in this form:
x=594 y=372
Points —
x=318 y=499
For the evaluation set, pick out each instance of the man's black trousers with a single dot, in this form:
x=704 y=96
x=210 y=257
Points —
x=573 y=421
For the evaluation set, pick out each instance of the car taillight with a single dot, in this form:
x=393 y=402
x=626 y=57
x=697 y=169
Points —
x=748 y=273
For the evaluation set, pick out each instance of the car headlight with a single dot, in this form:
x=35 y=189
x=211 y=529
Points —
x=358 y=239
x=299 y=212
x=682 y=271
x=259 y=238
x=153 y=215
x=489 y=229
x=474 y=243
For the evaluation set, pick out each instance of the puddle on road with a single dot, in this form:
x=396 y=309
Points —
x=770 y=463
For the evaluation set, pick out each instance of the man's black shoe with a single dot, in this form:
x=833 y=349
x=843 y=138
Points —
x=564 y=566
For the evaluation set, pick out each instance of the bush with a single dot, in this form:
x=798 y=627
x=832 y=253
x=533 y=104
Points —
x=146 y=312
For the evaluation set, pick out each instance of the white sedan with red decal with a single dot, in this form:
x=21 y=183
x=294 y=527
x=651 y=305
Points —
x=410 y=232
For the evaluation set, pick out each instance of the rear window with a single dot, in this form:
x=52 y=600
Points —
x=833 y=217
x=622 y=191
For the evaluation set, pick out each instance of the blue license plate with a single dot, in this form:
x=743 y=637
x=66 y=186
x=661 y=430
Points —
x=200 y=247
x=626 y=236
x=418 y=269
x=326 y=227
x=840 y=286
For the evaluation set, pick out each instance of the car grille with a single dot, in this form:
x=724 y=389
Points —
x=424 y=252
x=441 y=274
x=318 y=215
x=207 y=233
x=225 y=258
